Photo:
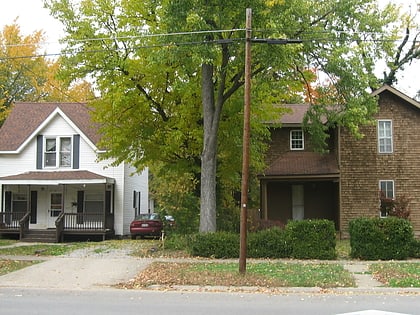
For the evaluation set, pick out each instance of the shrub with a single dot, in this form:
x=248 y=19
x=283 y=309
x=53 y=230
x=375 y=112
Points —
x=397 y=207
x=312 y=239
x=415 y=249
x=215 y=245
x=380 y=238
x=177 y=241
x=270 y=243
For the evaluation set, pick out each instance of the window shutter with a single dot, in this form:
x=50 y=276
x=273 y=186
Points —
x=34 y=206
x=39 y=140
x=76 y=151
x=8 y=206
x=134 y=198
x=80 y=202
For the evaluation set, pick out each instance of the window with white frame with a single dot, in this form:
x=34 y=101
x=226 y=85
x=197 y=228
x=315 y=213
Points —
x=57 y=152
x=385 y=142
x=387 y=195
x=296 y=140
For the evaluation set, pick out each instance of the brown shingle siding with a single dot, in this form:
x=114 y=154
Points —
x=362 y=166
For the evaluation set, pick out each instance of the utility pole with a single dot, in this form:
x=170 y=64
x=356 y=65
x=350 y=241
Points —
x=247 y=131
x=245 y=148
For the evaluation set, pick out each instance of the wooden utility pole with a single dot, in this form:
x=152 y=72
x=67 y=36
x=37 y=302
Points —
x=245 y=149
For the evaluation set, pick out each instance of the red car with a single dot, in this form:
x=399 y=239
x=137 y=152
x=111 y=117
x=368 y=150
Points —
x=146 y=224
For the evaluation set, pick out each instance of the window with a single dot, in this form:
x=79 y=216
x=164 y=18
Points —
x=94 y=203
x=65 y=152
x=56 y=204
x=296 y=140
x=385 y=144
x=19 y=202
x=387 y=193
x=50 y=152
x=63 y=155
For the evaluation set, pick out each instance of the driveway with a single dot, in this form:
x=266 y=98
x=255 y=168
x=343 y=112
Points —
x=82 y=269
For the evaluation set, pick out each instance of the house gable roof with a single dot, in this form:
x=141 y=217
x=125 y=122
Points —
x=26 y=119
x=390 y=89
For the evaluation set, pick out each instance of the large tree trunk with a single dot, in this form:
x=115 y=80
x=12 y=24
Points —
x=211 y=117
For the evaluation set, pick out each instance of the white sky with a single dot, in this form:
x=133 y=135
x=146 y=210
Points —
x=31 y=16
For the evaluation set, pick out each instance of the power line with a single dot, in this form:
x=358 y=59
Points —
x=146 y=35
x=309 y=38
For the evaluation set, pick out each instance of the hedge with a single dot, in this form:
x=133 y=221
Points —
x=308 y=239
x=312 y=239
x=215 y=245
x=380 y=238
x=269 y=243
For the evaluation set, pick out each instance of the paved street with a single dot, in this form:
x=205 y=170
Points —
x=99 y=302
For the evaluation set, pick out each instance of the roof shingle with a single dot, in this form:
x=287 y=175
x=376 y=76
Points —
x=303 y=163
x=25 y=118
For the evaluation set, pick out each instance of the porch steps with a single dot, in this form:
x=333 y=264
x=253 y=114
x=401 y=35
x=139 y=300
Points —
x=40 y=236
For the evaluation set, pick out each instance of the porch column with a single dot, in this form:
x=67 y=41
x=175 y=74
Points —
x=264 y=200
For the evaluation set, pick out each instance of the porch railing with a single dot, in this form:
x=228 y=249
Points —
x=84 y=221
x=11 y=220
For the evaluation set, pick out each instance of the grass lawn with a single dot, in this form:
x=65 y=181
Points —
x=40 y=249
x=397 y=274
x=6 y=242
x=7 y=266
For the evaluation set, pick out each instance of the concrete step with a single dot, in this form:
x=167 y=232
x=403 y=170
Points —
x=40 y=236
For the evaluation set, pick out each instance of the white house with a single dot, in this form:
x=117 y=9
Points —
x=51 y=179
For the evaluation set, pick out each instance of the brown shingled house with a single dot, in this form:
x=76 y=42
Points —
x=345 y=183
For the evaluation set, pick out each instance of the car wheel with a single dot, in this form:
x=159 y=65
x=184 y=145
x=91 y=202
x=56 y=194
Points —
x=133 y=237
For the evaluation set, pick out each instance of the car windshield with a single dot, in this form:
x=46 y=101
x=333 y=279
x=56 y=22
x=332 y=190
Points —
x=148 y=216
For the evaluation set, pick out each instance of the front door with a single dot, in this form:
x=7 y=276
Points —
x=298 y=204
x=56 y=206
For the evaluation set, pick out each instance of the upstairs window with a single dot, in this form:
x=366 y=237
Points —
x=57 y=152
x=296 y=140
x=385 y=144
x=65 y=152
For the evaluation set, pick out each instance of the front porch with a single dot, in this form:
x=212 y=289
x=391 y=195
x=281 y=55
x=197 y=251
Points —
x=57 y=204
x=301 y=185
x=17 y=224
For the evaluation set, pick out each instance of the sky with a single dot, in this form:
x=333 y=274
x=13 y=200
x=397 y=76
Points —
x=31 y=16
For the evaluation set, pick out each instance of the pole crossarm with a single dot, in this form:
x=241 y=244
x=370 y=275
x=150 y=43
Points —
x=272 y=41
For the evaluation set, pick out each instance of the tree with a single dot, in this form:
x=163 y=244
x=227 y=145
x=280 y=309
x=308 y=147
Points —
x=407 y=50
x=156 y=62
x=27 y=75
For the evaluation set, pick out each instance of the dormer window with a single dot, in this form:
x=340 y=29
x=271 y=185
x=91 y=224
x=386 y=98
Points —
x=57 y=152
x=296 y=140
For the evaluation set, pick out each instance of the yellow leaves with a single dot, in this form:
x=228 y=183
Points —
x=272 y=3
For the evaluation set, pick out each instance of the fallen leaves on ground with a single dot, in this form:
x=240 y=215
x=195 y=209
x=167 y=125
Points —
x=164 y=274
x=178 y=274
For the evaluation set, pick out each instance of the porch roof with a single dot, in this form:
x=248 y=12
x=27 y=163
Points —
x=303 y=164
x=56 y=178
